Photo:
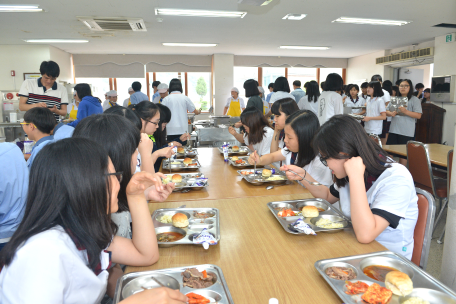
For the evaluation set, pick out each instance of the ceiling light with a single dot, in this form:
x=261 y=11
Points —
x=295 y=16
x=370 y=21
x=198 y=13
x=56 y=40
x=191 y=44
x=12 y=8
x=297 y=47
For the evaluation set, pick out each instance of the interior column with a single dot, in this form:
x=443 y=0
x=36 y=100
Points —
x=223 y=73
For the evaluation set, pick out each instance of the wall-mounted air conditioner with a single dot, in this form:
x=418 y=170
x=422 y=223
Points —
x=416 y=55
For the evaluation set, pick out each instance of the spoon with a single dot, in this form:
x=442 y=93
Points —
x=311 y=183
x=272 y=187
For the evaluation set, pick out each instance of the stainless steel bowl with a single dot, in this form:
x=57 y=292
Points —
x=340 y=264
x=389 y=262
x=332 y=218
x=169 y=229
x=135 y=286
x=280 y=206
x=210 y=295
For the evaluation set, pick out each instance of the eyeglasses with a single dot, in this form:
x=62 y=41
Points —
x=323 y=160
x=27 y=123
x=119 y=175
x=155 y=123
x=404 y=86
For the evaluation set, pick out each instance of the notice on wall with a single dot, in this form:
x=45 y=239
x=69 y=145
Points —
x=8 y=106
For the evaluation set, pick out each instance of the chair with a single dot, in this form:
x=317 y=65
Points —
x=376 y=139
x=445 y=203
x=419 y=165
x=423 y=229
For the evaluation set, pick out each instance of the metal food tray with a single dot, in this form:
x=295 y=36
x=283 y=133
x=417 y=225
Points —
x=242 y=166
x=181 y=166
x=331 y=213
x=131 y=283
x=242 y=151
x=260 y=180
x=196 y=225
x=357 y=116
x=186 y=177
x=189 y=152
x=424 y=285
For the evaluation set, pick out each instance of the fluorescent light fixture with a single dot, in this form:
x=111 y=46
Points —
x=17 y=8
x=371 y=21
x=297 y=47
x=295 y=16
x=56 y=40
x=191 y=44
x=198 y=13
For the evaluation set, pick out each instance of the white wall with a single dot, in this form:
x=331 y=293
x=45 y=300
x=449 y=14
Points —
x=362 y=68
x=223 y=80
x=427 y=73
x=64 y=61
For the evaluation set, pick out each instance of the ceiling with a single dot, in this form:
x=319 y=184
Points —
x=260 y=32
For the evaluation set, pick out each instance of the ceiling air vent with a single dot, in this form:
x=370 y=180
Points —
x=446 y=25
x=113 y=24
x=406 y=56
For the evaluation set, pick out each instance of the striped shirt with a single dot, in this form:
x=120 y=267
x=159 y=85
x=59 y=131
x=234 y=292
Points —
x=36 y=93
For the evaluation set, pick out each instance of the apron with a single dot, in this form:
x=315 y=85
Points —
x=235 y=109
x=112 y=105
x=73 y=113
x=129 y=101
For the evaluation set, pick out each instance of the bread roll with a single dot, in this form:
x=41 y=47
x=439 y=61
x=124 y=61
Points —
x=181 y=150
x=187 y=161
x=234 y=158
x=177 y=178
x=399 y=283
x=235 y=149
x=310 y=211
x=180 y=220
x=266 y=173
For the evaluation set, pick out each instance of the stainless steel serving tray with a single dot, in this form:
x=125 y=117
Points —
x=186 y=179
x=357 y=116
x=331 y=213
x=243 y=150
x=424 y=285
x=212 y=224
x=181 y=166
x=189 y=152
x=240 y=166
x=172 y=277
x=259 y=180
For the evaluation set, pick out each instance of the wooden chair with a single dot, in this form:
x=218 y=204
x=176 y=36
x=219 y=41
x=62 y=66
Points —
x=445 y=203
x=423 y=229
x=419 y=165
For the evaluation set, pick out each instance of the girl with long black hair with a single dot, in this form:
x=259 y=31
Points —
x=310 y=101
x=281 y=109
x=62 y=249
x=375 y=192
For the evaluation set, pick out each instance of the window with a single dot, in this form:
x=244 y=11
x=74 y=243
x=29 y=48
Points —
x=240 y=75
x=99 y=86
x=324 y=72
x=166 y=78
x=199 y=87
x=302 y=74
x=122 y=87
x=270 y=75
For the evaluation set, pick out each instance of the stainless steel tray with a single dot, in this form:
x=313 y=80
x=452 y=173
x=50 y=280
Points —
x=424 y=285
x=181 y=166
x=331 y=213
x=242 y=151
x=259 y=180
x=357 y=116
x=189 y=152
x=240 y=166
x=172 y=277
x=187 y=179
x=196 y=225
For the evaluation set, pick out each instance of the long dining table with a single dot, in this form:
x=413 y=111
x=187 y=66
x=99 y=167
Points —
x=259 y=259
x=438 y=153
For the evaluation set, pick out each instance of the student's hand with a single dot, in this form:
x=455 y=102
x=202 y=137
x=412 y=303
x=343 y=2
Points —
x=366 y=119
x=175 y=144
x=343 y=99
x=41 y=105
x=53 y=109
x=152 y=194
x=146 y=145
x=142 y=180
x=232 y=130
x=238 y=124
x=160 y=295
x=393 y=113
x=185 y=137
x=354 y=167
x=165 y=152
x=254 y=158
x=403 y=110
x=300 y=171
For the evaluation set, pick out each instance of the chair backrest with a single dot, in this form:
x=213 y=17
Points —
x=449 y=165
x=419 y=165
x=376 y=139
x=423 y=229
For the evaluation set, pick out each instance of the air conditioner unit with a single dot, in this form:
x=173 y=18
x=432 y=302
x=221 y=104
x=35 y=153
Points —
x=255 y=2
x=404 y=57
x=114 y=24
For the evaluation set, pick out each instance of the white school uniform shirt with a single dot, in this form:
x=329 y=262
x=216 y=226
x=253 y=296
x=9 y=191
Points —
x=305 y=104
x=374 y=107
x=315 y=168
x=281 y=95
x=387 y=98
x=48 y=269
x=263 y=147
x=394 y=192
x=330 y=104
x=350 y=104
x=179 y=104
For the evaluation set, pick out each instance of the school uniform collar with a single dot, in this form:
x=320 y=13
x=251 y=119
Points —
x=54 y=86
x=42 y=140
x=60 y=124
x=175 y=92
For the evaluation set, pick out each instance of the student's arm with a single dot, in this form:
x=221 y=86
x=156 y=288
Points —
x=23 y=106
x=146 y=145
x=157 y=296
x=275 y=139
x=239 y=137
x=410 y=113
x=225 y=110
x=367 y=226
x=391 y=114
x=164 y=152
x=382 y=116
x=317 y=191
x=61 y=112
x=266 y=159
x=142 y=249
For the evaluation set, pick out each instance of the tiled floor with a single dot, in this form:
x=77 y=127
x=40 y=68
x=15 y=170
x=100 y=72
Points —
x=435 y=253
